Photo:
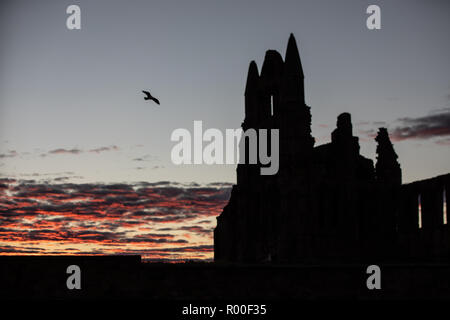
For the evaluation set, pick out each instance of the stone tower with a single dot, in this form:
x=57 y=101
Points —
x=321 y=203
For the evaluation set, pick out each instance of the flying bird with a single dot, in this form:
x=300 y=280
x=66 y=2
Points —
x=148 y=96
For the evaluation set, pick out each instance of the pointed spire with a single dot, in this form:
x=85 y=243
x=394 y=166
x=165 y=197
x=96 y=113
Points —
x=292 y=59
x=252 y=78
x=272 y=67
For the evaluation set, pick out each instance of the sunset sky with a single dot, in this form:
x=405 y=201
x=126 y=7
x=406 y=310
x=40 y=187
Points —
x=85 y=162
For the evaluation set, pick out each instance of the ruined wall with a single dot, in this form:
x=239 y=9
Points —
x=326 y=203
x=422 y=233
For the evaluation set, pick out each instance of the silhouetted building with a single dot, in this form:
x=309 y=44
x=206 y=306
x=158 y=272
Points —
x=327 y=202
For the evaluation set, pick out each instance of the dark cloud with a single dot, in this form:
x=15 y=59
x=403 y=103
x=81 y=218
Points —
x=436 y=124
x=9 y=154
x=220 y=184
x=16 y=250
x=65 y=151
x=102 y=149
x=79 y=151
x=194 y=229
x=204 y=248
x=146 y=157
x=157 y=184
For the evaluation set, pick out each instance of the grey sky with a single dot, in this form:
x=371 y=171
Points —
x=80 y=90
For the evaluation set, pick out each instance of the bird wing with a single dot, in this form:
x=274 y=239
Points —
x=156 y=100
x=147 y=93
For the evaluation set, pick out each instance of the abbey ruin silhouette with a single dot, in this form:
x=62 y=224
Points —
x=326 y=203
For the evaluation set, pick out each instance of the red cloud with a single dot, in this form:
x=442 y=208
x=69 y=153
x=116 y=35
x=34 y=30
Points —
x=152 y=219
x=430 y=126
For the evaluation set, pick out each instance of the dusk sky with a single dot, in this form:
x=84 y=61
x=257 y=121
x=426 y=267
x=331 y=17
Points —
x=85 y=162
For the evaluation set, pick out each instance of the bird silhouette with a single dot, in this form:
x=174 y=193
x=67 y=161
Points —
x=148 y=96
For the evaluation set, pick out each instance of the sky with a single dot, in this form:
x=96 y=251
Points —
x=74 y=125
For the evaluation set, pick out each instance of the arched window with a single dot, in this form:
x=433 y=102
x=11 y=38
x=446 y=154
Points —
x=419 y=209
x=444 y=207
x=271 y=104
